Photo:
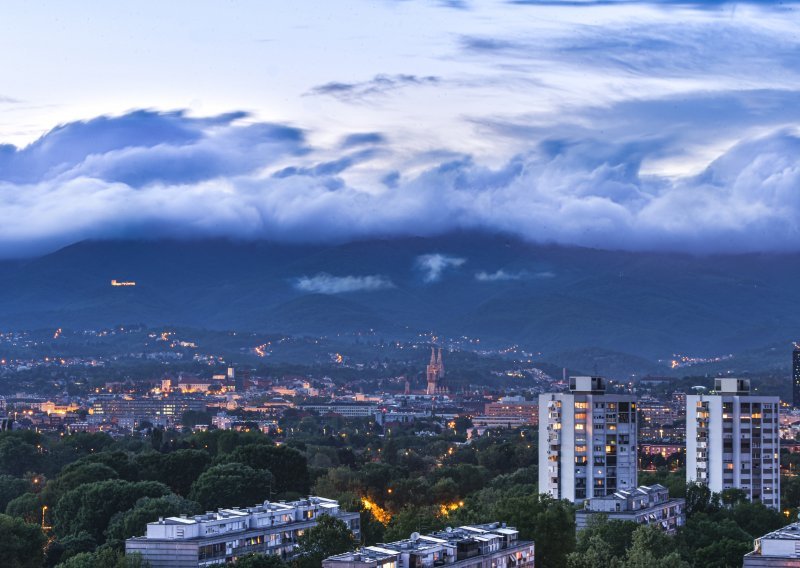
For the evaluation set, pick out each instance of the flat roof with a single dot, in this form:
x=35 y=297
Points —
x=789 y=532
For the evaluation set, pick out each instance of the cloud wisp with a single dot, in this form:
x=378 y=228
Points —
x=324 y=283
x=379 y=85
x=433 y=266
x=505 y=276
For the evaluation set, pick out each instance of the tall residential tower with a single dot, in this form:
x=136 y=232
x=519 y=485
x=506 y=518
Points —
x=587 y=441
x=732 y=441
x=796 y=377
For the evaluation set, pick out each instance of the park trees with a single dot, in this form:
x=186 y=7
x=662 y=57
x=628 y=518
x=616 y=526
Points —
x=231 y=484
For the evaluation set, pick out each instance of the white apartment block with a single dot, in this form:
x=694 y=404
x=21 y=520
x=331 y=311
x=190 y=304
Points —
x=222 y=536
x=732 y=441
x=587 y=441
x=471 y=546
x=778 y=549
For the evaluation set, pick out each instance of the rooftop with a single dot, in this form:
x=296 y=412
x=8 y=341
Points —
x=789 y=532
x=487 y=537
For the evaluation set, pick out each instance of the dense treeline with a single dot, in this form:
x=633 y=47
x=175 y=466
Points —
x=72 y=501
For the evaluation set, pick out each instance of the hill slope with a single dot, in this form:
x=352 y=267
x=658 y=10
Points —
x=546 y=298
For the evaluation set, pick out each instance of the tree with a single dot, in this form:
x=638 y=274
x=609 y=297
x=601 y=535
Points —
x=64 y=549
x=756 y=518
x=617 y=535
x=27 y=506
x=104 y=558
x=133 y=522
x=462 y=424
x=413 y=519
x=231 y=485
x=21 y=544
x=713 y=543
x=178 y=469
x=157 y=438
x=700 y=499
x=259 y=561
x=444 y=491
x=652 y=548
x=790 y=492
x=75 y=475
x=287 y=465
x=594 y=552
x=91 y=506
x=548 y=522
x=330 y=536
x=17 y=456
x=119 y=461
x=11 y=488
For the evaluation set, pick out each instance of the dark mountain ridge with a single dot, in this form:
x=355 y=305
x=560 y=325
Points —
x=545 y=298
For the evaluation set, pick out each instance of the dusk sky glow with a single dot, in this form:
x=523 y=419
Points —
x=613 y=124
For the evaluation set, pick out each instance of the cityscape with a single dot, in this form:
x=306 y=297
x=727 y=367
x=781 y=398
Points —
x=400 y=284
x=383 y=447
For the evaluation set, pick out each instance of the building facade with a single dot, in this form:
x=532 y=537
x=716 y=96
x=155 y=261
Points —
x=474 y=546
x=796 y=377
x=222 y=536
x=732 y=441
x=514 y=406
x=780 y=548
x=643 y=505
x=346 y=409
x=587 y=441
x=162 y=411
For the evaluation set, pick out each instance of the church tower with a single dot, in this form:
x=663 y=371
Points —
x=436 y=373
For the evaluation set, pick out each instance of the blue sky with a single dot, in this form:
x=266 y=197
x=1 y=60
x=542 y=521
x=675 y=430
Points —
x=614 y=124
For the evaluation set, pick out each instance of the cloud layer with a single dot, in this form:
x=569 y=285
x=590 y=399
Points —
x=601 y=123
x=153 y=174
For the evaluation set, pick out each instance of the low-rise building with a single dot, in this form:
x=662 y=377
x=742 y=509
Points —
x=472 y=546
x=778 y=548
x=222 y=536
x=166 y=410
x=346 y=409
x=514 y=406
x=644 y=505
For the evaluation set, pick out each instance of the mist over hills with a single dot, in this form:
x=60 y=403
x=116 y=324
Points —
x=548 y=299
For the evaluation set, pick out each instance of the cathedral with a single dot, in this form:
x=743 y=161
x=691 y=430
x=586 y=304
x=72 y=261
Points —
x=436 y=373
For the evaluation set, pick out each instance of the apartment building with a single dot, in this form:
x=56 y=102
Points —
x=645 y=505
x=587 y=441
x=732 y=441
x=222 y=536
x=474 y=546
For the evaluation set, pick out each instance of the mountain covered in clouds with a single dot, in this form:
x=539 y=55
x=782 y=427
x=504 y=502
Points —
x=501 y=289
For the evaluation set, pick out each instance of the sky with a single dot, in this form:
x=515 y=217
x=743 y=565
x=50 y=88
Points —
x=616 y=124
